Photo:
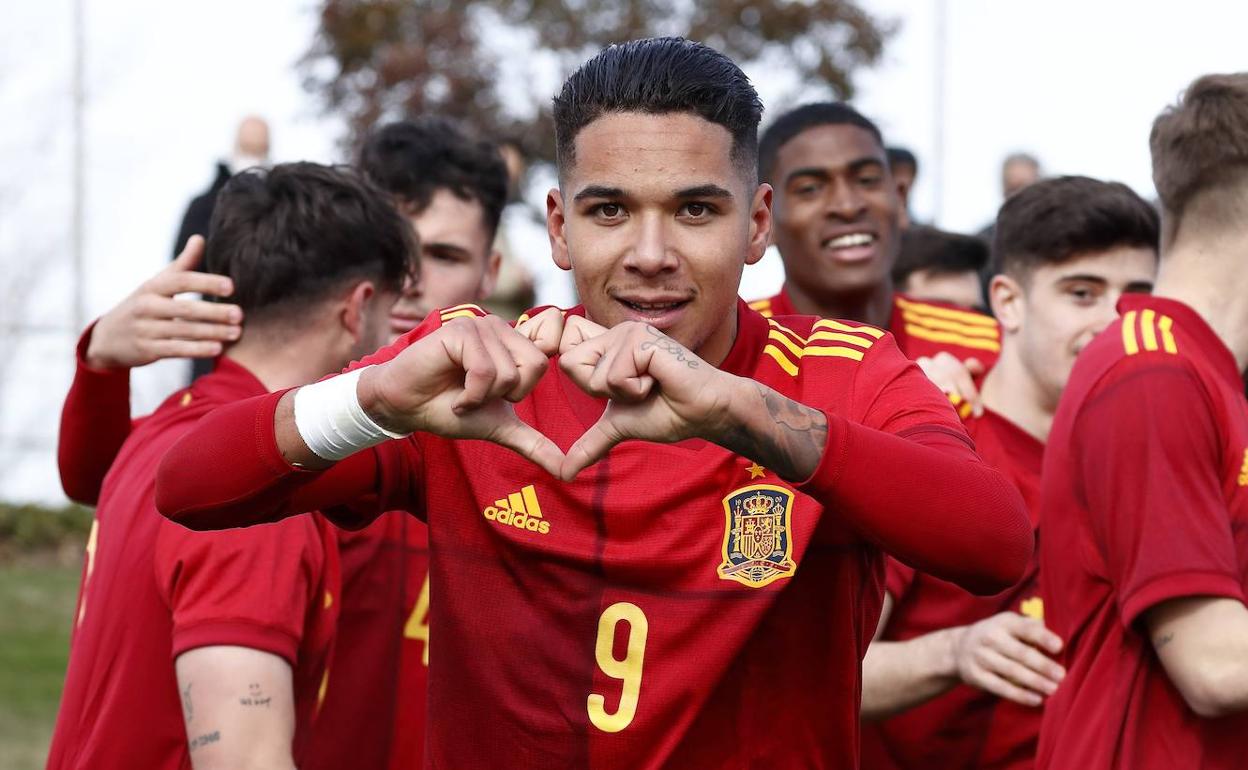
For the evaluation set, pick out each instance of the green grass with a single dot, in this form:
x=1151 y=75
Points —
x=37 y=597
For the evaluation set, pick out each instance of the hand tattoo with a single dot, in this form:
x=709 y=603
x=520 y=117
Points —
x=668 y=345
x=256 y=697
x=794 y=450
x=1163 y=640
x=188 y=708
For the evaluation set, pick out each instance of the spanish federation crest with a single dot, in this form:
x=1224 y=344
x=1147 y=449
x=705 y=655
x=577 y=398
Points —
x=757 y=547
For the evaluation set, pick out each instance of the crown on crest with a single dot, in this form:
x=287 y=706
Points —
x=757 y=504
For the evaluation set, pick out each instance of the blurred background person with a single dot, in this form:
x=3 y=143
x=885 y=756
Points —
x=251 y=148
x=1018 y=170
x=905 y=167
x=938 y=266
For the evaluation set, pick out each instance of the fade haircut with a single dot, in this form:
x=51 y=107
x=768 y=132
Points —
x=413 y=159
x=1200 y=152
x=660 y=76
x=1056 y=219
x=939 y=252
x=802 y=119
x=295 y=234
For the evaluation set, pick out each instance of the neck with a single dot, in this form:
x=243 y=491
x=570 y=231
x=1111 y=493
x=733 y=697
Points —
x=1196 y=275
x=283 y=361
x=1011 y=391
x=871 y=306
x=717 y=347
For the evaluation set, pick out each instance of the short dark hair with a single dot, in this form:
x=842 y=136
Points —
x=1056 y=219
x=938 y=251
x=413 y=159
x=1201 y=143
x=801 y=119
x=292 y=235
x=900 y=156
x=659 y=76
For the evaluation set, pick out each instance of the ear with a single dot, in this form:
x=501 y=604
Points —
x=555 y=224
x=1007 y=298
x=355 y=307
x=760 y=223
x=490 y=279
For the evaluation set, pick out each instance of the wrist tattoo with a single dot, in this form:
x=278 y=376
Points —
x=670 y=346
x=793 y=450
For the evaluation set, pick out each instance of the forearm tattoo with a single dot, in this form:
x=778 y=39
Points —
x=794 y=448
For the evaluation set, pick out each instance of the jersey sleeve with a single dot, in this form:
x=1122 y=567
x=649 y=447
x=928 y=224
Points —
x=95 y=422
x=229 y=472
x=1147 y=453
x=245 y=587
x=904 y=474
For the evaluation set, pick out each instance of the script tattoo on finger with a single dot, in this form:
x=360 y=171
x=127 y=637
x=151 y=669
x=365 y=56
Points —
x=665 y=344
x=794 y=450
x=255 y=696
x=188 y=708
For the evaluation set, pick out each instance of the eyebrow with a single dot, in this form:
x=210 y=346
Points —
x=598 y=191
x=1082 y=278
x=822 y=173
x=440 y=246
x=703 y=191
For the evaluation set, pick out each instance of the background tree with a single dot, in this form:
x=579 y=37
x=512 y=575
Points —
x=387 y=59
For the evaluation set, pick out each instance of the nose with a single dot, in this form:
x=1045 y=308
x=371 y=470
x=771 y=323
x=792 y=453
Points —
x=845 y=202
x=650 y=255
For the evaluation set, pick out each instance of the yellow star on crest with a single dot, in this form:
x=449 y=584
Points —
x=757 y=471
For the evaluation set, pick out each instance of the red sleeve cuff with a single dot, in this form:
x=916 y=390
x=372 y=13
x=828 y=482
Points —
x=103 y=382
x=826 y=475
x=1177 y=586
x=236 y=633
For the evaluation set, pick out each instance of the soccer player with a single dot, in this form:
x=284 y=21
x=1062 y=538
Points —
x=209 y=650
x=616 y=540
x=1144 y=558
x=961 y=678
x=837 y=226
x=937 y=266
x=452 y=188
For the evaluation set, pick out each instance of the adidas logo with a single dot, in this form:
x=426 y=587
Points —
x=520 y=510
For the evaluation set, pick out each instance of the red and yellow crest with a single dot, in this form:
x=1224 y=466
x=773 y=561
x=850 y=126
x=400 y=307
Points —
x=757 y=547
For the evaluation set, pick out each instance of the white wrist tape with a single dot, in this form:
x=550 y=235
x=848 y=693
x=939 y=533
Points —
x=332 y=422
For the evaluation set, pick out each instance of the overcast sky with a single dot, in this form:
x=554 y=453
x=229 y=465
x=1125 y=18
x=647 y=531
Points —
x=1077 y=83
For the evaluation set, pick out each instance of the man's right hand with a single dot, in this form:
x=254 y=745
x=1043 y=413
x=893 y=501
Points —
x=1008 y=656
x=460 y=382
x=152 y=323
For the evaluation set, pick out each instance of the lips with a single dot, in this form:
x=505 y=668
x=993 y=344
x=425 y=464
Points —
x=658 y=311
x=402 y=324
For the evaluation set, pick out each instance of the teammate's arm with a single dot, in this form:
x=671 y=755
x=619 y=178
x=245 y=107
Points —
x=238 y=706
x=1202 y=642
x=1004 y=654
x=149 y=325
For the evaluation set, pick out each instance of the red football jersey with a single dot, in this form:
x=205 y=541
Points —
x=675 y=605
x=923 y=328
x=152 y=590
x=1145 y=498
x=374 y=710
x=965 y=727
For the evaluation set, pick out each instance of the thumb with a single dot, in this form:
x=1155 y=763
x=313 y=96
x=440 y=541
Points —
x=591 y=447
x=530 y=443
x=191 y=254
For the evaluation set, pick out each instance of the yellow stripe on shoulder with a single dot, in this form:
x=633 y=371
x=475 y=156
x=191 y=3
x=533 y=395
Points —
x=839 y=326
x=952 y=338
x=964 y=316
x=1154 y=333
x=462 y=311
x=940 y=324
x=781 y=359
x=759 y=304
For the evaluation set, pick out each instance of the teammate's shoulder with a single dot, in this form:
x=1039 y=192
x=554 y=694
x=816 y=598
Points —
x=762 y=306
x=466 y=310
x=797 y=343
x=945 y=325
x=1141 y=338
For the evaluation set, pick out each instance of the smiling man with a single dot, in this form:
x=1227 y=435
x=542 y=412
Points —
x=838 y=219
x=617 y=539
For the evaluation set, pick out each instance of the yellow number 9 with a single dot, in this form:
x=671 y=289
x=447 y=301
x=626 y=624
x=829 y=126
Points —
x=627 y=670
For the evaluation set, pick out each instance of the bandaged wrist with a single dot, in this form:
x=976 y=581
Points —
x=332 y=422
